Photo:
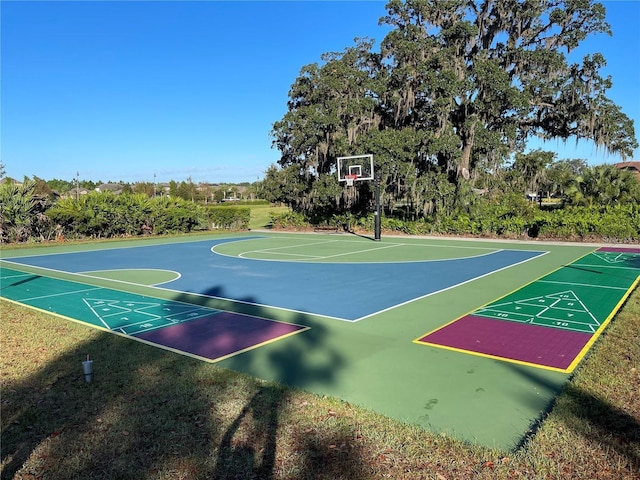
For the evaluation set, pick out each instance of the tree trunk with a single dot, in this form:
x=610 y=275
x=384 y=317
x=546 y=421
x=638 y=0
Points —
x=467 y=147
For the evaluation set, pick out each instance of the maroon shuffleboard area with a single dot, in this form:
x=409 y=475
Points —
x=220 y=335
x=531 y=344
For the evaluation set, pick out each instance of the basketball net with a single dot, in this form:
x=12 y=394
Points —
x=350 y=179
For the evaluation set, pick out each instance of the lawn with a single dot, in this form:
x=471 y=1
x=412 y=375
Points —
x=155 y=414
x=261 y=215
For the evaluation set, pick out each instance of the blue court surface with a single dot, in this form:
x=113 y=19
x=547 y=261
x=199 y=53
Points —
x=347 y=290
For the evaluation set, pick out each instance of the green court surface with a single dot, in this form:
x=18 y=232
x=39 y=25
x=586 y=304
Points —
x=374 y=362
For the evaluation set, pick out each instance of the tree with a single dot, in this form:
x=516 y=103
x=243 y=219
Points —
x=41 y=188
x=284 y=185
x=530 y=168
x=173 y=189
x=147 y=188
x=330 y=106
x=561 y=175
x=458 y=87
x=606 y=185
x=494 y=72
x=185 y=190
x=60 y=186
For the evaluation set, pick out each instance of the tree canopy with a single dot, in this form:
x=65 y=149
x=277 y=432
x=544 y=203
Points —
x=456 y=89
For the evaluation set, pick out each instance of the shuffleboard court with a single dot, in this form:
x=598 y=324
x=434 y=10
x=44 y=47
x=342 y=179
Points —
x=339 y=315
x=198 y=331
x=551 y=322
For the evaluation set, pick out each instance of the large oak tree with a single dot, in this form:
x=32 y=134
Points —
x=457 y=86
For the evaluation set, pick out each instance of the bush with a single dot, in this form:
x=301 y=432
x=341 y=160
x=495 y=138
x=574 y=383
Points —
x=289 y=221
x=21 y=213
x=105 y=215
x=236 y=218
x=511 y=218
x=618 y=223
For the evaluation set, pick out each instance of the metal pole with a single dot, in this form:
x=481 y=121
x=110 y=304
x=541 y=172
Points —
x=377 y=212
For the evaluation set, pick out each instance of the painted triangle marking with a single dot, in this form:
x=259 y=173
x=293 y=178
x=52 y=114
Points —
x=615 y=257
x=133 y=317
x=118 y=309
x=561 y=310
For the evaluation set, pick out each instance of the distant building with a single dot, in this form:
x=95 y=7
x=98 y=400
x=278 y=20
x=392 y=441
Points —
x=76 y=192
x=633 y=167
x=163 y=189
x=11 y=180
x=110 y=187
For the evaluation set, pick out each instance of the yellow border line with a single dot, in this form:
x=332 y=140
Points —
x=578 y=358
x=493 y=357
x=604 y=324
x=303 y=328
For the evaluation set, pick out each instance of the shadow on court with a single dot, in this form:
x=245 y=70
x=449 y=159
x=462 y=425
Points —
x=149 y=411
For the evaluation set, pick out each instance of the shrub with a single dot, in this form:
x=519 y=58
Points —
x=289 y=220
x=513 y=218
x=104 y=215
x=236 y=218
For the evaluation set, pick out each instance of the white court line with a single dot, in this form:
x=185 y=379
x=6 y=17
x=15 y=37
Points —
x=57 y=294
x=253 y=304
x=86 y=275
x=96 y=314
x=128 y=247
x=310 y=257
x=362 y=251
x=213 y=312
x=178 y=275
x=315 y=257
x=602 y=266
x=282 y=254
x=420 y=245
x=318 y=257
x=285 y=247
x=448 y=288
x=8 y=277
x=584 y=285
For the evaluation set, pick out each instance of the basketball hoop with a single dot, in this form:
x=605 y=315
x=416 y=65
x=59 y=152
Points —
x=350 y=179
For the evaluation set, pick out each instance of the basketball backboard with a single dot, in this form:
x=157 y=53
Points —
x=355 y=168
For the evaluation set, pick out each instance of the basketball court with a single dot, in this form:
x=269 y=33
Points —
x=469 y=338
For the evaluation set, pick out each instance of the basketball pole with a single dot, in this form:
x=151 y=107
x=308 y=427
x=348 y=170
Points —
x=376 y=214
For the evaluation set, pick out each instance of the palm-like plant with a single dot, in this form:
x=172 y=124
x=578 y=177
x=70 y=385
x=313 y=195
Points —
x=17 y=210
x=605 y=185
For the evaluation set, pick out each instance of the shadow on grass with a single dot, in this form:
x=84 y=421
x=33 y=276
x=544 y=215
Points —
x=150 y=413
x=142 y=407
x=586 y=415
x=595 y=418
x=234 y=458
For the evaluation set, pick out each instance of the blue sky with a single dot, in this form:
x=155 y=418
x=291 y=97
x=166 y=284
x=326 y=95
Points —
x=128 y=90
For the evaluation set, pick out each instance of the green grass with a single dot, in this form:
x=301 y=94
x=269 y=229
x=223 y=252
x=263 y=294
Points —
x=261 y=215
x=153 y=414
